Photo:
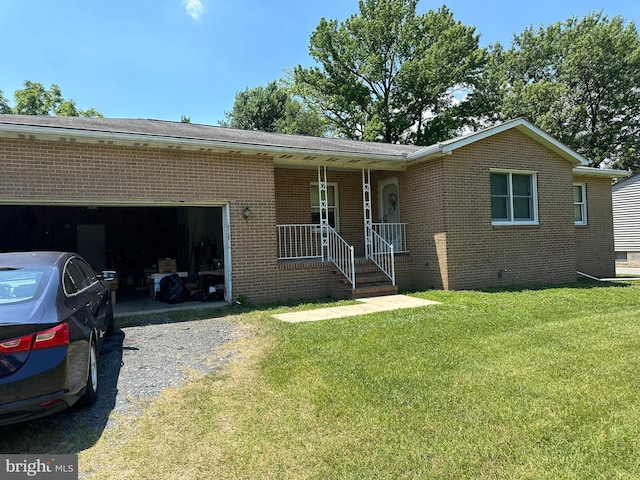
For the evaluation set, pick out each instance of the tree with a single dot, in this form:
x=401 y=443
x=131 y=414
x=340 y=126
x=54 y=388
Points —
x=4 y=105
x=34 y=99
x=389 y=74
x=257 y=108
x=578 y=80
x=90 y=112
x=272 y=109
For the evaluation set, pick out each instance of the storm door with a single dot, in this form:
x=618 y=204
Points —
x=391 y=229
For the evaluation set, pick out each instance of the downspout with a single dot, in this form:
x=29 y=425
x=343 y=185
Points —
x=617 y=279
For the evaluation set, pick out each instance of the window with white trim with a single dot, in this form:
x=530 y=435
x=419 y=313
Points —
x=332 y=204
x=580 y=203
x=513 y=198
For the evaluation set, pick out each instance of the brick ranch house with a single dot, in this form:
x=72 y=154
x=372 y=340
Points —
x=287 y=217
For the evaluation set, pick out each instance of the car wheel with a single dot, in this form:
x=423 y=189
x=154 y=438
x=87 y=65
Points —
x=91 y=390
x=111 y=324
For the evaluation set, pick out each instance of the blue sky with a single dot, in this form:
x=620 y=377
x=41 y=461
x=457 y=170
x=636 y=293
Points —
x=166 y=58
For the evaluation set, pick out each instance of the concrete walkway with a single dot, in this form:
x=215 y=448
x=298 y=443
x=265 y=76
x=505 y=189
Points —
x=365 y=305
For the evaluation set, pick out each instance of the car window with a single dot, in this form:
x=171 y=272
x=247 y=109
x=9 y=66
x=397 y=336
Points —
x=69 y=286
x=75 y=276
x=89 y=273
x=19 y=284
x=78 y=275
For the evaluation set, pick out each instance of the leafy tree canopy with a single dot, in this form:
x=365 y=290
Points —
x=272 y=109
x=578 y=80
x=386 y=73
x=35 y=99
x=4 y=104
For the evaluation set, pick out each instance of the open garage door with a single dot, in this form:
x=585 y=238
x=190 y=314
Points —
x=127 y=239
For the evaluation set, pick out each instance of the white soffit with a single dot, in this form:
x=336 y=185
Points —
x=282 y=155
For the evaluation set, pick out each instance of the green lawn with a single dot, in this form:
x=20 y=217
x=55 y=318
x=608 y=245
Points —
x=541 y=383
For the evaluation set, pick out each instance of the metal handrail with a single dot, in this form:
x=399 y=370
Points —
x=382 y=254
x=303 y=241
x=341 y=254
x=394 y=233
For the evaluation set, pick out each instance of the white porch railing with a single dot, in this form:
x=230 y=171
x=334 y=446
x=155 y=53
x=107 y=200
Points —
x=381 y=253
x=393 y=233
x=342 y=256
x=303 y=241
x=299 y=241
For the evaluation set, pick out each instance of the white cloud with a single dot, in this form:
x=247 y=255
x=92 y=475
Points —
x=194 y=8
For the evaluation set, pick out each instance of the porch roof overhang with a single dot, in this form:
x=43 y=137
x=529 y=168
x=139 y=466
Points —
x=285 y=150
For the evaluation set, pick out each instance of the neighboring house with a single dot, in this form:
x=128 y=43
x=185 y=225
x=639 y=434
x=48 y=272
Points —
x=626 y=221
x=276 y=216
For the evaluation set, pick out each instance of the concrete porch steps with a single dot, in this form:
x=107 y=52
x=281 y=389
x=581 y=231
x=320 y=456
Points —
x=378 y=290
x=370 y=282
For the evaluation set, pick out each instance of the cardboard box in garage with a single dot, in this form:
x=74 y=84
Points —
x=167 y=265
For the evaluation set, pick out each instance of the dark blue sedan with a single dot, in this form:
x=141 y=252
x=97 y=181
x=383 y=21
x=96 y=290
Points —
x=54 y=314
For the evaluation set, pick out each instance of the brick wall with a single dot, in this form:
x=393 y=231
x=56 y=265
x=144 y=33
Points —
x=595 y=245
x=36 y=171
x=305 y=280
x=446 y=203
x=293 y=201
x=422 y=204
x=456 y=239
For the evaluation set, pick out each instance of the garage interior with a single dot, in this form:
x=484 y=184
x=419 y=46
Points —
x=129 y=240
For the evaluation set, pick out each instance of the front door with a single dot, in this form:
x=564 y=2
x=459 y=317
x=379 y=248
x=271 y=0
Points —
x=389 y=202
x=390 y=213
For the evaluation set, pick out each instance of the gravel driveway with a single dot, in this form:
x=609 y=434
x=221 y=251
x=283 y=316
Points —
x=137 y=363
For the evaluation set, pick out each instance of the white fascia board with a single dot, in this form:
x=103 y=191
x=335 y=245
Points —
x=56 y=133
x=427 y=152
x=449 y=146
x=529 y=129
x=600 y=172
x=565 y=151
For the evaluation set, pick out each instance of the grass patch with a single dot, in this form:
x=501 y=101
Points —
x=173 y=316
x=530 y=383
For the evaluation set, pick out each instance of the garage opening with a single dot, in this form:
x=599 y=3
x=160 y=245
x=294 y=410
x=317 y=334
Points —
x=129 y=240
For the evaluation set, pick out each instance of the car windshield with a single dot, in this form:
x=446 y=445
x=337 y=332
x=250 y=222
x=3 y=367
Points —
x=19 y=284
